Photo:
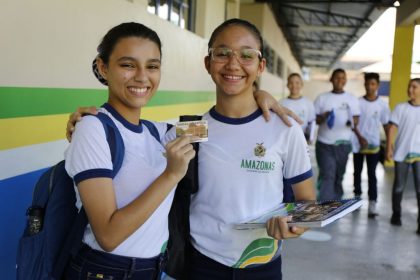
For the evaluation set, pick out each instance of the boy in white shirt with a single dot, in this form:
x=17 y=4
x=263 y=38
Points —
x=305 y=110
x=406 y=151
x=374 y=112
x=337 y=112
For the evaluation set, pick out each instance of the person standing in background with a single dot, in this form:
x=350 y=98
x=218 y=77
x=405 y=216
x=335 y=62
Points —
x=299 y=104
x=374 y=112
x=305 y=110
x=337 y=112
x=406 y=152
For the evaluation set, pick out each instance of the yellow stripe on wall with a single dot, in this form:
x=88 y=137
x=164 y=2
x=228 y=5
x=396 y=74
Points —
x=19 y=132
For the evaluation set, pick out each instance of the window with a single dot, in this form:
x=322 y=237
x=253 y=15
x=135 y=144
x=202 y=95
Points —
x=179 y=12
x=268 y=54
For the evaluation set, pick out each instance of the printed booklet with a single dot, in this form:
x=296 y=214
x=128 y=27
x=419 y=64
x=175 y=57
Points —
x=307 y=214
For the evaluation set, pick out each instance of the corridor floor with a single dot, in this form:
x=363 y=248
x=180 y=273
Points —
x=356 y=247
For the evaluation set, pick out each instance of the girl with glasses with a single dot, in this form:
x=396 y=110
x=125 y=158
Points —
x=241 y=167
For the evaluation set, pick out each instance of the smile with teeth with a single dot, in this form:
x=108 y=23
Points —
x=232 y=77
x=137 y=90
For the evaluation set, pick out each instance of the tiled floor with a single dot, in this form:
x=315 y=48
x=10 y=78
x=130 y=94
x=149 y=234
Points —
x=358 y=247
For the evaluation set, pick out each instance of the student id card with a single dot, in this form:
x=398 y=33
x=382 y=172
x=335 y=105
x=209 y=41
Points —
x=194 y=128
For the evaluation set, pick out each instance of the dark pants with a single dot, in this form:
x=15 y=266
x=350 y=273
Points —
x=93 y=264
x=331 y=160
x=204 y=268
x=371 y=161
x=400 y=179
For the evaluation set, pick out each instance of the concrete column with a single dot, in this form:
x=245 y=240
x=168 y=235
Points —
x=232 y=9
x=209 y=14
x=401 y=64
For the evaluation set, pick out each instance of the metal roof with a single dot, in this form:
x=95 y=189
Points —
x=320 y=32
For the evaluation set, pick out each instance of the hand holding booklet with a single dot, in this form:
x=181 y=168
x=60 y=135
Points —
x=307 y=214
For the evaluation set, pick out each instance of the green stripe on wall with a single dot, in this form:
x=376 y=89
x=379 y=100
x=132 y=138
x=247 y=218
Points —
x=25 y=102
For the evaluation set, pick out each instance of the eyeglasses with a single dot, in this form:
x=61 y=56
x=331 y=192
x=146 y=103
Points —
x=244 y=56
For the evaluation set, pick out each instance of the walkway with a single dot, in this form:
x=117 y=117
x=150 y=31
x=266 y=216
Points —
x=360 y=248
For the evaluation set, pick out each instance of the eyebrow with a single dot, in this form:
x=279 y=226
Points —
x=155 y=60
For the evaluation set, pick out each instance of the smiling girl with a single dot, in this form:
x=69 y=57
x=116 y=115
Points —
x=128 y=213
x=241 y=167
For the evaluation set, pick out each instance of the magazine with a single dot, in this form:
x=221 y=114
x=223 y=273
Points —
x=307 y=214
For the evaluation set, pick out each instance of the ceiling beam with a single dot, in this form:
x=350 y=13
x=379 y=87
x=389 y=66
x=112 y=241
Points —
x=326 y=28
x=319 y=52
x=315 y=62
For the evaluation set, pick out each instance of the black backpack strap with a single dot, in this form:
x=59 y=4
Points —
x=179 y=246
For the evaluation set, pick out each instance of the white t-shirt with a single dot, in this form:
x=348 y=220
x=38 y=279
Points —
x=303 y=107
x=373 y=114
x=407 y=144
x=241 y=170
x=88 y=156
x=345 y=106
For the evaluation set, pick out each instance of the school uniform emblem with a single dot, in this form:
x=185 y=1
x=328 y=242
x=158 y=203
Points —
x=259 y=150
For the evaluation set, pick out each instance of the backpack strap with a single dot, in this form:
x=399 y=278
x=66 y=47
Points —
x=179 y=250
x=192 y=172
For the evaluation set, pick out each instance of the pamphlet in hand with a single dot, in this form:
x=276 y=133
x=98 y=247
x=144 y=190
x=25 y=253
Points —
x=307 y=214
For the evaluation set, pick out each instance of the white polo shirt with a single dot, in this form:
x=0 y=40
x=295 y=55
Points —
x=407 y=145
x=89 y=155
x=303 y=107
x=373 y=115
x=241 y=170
x=345 y=106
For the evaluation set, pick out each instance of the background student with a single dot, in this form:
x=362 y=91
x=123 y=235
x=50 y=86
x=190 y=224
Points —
x=299 y=104
x=374 y=113
x=406 y=151
x=337 y=112
x=128 y=213
x=305 y=110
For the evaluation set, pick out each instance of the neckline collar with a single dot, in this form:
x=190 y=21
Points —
x=369 y=99
x=414 y=105
x=234 y=121
x=133 y=127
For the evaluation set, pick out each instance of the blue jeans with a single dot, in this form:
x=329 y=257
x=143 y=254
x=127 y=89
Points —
x=92 y=264
x=204 y=268
x=332 y=160
x=371 y=161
